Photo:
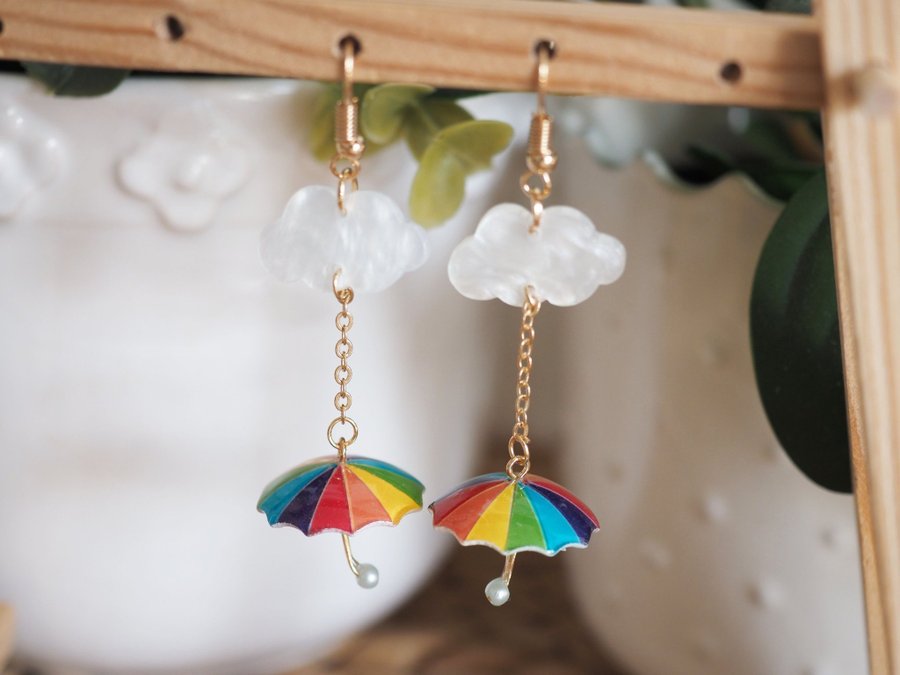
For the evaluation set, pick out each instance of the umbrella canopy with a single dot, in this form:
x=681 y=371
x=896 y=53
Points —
x=326 y=495
x=509 y=515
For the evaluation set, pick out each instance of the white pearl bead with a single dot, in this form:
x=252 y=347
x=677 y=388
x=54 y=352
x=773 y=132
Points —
x=497 y=592
x=367 y=575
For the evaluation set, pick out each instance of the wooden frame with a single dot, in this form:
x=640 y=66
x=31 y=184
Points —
x=661 y=54
x=861 y=47
x=6 y=634
x=640 y=52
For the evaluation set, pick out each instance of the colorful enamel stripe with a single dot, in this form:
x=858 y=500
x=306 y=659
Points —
x=325 y=495
x=530 y=514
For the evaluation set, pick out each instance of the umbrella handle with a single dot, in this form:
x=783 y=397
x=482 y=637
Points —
x=508 y=568
x=366 y=574
x=497 y=590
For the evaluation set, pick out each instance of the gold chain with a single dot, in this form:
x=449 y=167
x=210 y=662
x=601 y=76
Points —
x=519 y=456
x=343 y=374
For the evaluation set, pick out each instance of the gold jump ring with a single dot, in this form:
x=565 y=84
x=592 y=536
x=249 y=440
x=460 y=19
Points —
x=346 y=442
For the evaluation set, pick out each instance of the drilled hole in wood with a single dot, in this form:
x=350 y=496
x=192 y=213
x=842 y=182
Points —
x=352 y=40
x=549 y=45
x=170 y=28
x=731 y=72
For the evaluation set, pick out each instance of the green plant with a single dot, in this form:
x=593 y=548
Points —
x=65 y=80
x=796 y=339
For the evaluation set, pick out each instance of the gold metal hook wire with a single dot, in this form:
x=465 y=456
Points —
x=348 y=48
x=541 y=158
x=349 y=145
x=544 y=53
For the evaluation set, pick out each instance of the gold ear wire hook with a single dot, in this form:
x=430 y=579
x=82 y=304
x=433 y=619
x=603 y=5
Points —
x=541 y=158
x=349 y=145
x=544 y=50
x=348 y=46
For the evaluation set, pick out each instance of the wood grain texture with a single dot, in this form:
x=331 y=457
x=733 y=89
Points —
x=6 y=634
x=863 y=159
x=655 y=53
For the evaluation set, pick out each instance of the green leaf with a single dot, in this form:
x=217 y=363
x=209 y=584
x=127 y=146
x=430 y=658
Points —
x=445 y=112
x=64 y=80
x=703 y=166
x=438 y=188
x=456 y=151
x=813 y=121
x=778 y=178
x=783 y=136
x=769 y=137
x=791 y=6
x=384 y=110
x=796 y=341
x=391 y=110
x=425 y=120
x=458 y=93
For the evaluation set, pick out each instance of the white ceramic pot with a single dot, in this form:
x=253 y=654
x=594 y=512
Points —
x=153 y=379
x=715 y=555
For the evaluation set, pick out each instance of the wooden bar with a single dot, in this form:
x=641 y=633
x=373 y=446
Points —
x=861 y=47
x=653 y=53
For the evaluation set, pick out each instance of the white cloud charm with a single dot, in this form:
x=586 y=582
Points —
x=564 y=260
x=373 y=244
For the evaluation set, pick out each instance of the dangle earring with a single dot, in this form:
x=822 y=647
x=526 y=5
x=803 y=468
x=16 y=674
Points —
x=360 y=241
x=526 y=257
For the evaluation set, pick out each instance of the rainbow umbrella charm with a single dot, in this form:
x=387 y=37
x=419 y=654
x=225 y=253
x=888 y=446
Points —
x=512 y=514
x=329 y=494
